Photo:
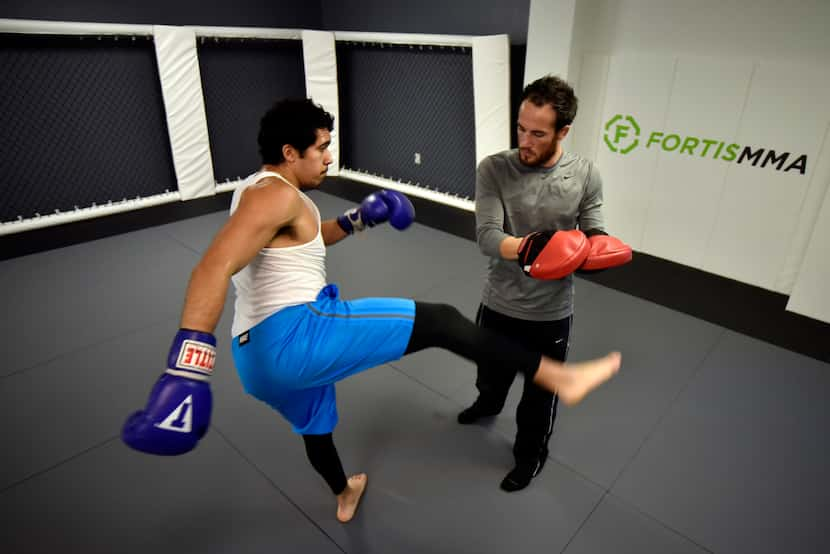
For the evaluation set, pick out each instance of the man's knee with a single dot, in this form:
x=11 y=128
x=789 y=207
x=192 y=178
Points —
x=437 y=317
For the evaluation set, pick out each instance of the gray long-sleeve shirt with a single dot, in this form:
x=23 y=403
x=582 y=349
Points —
x=513 y=200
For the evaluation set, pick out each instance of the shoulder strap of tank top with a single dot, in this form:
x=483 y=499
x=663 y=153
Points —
x=305 y=198
x=262 y=174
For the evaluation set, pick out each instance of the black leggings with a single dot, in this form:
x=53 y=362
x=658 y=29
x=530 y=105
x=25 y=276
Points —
x=323 y=457
x=441 y=326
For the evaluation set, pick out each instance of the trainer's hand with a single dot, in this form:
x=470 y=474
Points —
x=379 y=207
x=553 y=254
x=606 y=252
x=178 y=411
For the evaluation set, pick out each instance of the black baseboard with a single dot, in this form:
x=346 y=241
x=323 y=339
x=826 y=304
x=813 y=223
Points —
x=743 y=308
x=737 y=306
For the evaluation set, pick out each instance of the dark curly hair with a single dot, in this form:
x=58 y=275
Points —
x=556 y=92
x=292 y=121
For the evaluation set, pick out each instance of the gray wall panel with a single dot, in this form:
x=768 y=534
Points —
x=251 y=13
x=459 y=17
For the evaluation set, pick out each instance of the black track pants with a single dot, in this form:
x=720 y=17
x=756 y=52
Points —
x=537 y=409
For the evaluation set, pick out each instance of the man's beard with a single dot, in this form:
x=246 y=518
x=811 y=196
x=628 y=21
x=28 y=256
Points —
x=544 y=158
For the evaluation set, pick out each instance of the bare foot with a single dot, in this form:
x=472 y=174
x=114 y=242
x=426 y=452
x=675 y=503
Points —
x=348 y=500
x=573 y=381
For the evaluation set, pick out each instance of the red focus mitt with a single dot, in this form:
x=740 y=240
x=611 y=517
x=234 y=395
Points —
x=605 y=251
x=553 y=254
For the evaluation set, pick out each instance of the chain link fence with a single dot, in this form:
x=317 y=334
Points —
x=241 y=79
x=82 y=123
x=407 y=113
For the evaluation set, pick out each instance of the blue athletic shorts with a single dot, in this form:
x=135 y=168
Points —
x=292 y=359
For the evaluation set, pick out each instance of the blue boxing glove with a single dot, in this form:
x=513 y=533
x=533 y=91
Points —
x=379 y=207
x=177 y=414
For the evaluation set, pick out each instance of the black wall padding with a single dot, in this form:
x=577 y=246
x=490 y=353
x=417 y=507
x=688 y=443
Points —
x=398 y=100
x=241 y=79
x=81 y=121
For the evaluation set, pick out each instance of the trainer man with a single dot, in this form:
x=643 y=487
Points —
x=527 y=199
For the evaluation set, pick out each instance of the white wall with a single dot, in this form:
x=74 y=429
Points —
x=752 y=73
x=549 y=38
x=754 y=29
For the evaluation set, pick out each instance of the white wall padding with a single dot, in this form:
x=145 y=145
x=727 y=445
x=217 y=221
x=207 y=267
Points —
x=811 y=293
x=37 y=27
x=715 y=163
x=637 y=86
x=409 y=189
x=590 y=91
x=683 y=203
x=760 y=208
x=181 y=87
x=491 y=91
x=404 y=38
x=320 y=61
x=549 y=32
x=816 y=189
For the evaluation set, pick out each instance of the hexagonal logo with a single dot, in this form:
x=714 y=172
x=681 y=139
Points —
x=622 y=134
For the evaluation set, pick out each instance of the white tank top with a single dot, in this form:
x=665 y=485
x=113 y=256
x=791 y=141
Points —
x=277 y=277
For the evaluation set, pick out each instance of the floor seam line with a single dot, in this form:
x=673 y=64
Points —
x=81 y=349
x=56 y=465
x=669 y=406
x=277 y=487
